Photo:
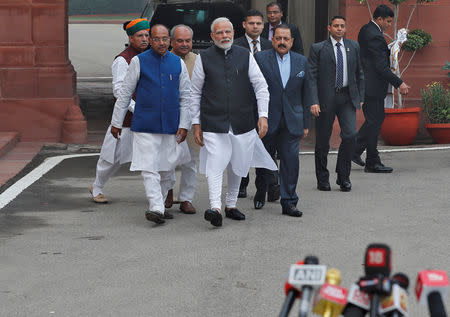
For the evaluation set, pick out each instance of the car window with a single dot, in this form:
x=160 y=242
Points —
x=199 y=17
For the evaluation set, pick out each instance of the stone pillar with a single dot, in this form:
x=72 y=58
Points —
x=37 y=81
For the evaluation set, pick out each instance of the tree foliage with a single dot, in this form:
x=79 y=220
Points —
x=417 y=39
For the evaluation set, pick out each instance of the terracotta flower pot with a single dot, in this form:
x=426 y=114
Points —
x=440 y=132
x=400 y=126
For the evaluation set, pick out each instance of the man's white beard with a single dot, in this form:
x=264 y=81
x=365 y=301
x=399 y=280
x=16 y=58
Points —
x=223 y=46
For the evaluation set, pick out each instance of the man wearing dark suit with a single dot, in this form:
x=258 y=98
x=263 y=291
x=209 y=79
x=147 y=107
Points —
x=253 y=25
x=377 y=75
x=274 y=13
x=337 y=88
x=288 y=117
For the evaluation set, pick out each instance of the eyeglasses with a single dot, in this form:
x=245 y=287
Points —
x=273 y=12
x=159 y=39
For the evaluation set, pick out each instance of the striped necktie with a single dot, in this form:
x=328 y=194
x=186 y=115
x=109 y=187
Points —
x=339 y=67
x=255 y=46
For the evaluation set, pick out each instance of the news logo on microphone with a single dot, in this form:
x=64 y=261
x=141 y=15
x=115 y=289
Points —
x=312 y=275
x=378 y=260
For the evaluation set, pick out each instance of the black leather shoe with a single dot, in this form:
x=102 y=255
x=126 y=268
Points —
x=357 y=159
x=378 y=168
x=258 y=204
x=325 y=187
x=242 y=192
x=168 y=215
x=291 y=211
x=234 y=214
x=346 y=186
x=273 y=193
x=259 y=199
x=155 y=216
x=214 y=217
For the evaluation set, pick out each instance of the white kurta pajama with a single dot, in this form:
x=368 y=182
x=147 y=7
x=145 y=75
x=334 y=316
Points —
x=114 y=152
x=188 y=178
x=236 y=153
x=156 y=155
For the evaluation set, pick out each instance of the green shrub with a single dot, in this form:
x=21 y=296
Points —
x=417 y=39
x=436 y=103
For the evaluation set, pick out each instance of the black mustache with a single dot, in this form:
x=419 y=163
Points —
x=281 y=45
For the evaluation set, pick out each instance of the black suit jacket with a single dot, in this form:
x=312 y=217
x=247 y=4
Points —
x=242 y=41
x=375 y=62
x=297 y=46
x=322 y=73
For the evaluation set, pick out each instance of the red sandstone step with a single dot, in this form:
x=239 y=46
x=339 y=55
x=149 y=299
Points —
x=8 y=141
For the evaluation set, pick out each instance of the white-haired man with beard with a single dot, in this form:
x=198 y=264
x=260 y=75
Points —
x=226 y=86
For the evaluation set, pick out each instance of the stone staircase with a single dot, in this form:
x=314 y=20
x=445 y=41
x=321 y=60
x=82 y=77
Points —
x=15 y=155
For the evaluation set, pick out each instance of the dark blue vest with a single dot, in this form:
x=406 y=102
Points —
x=157 y=108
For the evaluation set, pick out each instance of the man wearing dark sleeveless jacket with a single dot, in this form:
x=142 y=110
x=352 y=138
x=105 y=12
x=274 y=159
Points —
x=225 y=82
x=116 y=152
x=160 y=120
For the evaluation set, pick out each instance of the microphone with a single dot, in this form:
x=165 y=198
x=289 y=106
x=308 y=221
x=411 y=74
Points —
x=358 y=302
x=396 y=304
x=331 y=299
x=306 y=277
x=291 y=294
x=431 y=288
x=377 y=260
x=377 y=266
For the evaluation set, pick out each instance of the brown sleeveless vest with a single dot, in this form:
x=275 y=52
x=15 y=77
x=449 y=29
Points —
x=128 y=54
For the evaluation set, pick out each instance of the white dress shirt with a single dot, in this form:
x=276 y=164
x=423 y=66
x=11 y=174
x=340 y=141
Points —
x=129 y=86
x=250 y=43
x=377 y=26
x=344 y=57
x=254 y=74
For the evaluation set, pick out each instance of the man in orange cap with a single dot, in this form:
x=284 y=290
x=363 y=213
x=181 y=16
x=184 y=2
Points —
x=115 y=152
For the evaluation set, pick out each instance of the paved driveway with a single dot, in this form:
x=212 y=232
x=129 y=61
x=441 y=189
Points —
x=62 y=255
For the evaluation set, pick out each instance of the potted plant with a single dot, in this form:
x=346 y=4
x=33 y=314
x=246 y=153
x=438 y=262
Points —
x=401 y=124
x=436 y=103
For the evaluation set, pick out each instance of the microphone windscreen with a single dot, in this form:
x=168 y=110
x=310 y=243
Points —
x=377 y=260
x=311 y=259
x=401 y=279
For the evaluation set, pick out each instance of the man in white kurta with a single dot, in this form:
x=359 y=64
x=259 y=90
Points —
x=227 y=85
x=115 y=152
x=181 y=42
x=161 y=118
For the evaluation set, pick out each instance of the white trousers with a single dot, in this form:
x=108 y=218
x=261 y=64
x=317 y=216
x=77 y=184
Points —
x=105 y=171
x=226 y=151
x=156 y=186
x=215 y=180
x=113 y=154
x=188 y=179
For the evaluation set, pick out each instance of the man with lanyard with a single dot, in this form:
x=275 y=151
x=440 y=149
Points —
x=161 y=118
x=225 y=82
x=336 y=79
x=181 y=41
x=116 y=152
